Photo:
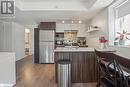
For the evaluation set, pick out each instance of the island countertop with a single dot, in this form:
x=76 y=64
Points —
x=79 y=49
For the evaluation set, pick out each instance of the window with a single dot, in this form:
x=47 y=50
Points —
x=123 y=24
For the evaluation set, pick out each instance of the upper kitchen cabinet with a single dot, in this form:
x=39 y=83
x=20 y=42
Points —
x=47 y=25
x=81 y=28
x=75 y=26
x=60 y=27
x=68 y=27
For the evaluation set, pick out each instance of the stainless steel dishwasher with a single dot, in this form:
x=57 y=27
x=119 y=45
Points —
x=64 y=73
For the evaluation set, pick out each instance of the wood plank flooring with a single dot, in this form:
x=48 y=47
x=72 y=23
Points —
x=38 y=75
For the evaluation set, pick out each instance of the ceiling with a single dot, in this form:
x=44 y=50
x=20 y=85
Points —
x=31 y=12
x=51 y=0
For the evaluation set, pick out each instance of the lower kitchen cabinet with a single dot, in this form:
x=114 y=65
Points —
x=83 y=65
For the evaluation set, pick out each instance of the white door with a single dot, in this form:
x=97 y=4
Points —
x=1 y=36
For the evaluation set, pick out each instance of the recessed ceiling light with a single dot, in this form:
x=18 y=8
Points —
x=63 y=21
x=72 y=22
x=80 y=22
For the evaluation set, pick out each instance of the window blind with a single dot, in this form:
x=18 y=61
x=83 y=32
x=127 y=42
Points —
x=124 y=9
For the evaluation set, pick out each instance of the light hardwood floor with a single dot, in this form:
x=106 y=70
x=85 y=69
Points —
x=38 y=75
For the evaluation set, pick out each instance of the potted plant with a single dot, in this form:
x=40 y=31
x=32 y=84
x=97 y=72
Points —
x=122 y=37
x=103 y=42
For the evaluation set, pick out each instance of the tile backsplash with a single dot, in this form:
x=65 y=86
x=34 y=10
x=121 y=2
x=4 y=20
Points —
x=70 y=36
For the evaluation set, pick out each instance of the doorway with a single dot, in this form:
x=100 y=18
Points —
x=27 y=42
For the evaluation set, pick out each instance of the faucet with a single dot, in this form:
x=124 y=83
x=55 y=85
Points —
x=71 y=43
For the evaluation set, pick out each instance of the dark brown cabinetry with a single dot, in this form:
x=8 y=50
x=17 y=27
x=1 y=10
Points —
x=83 y=65
x=36 y=45
x=47 y=25
x=59 y=39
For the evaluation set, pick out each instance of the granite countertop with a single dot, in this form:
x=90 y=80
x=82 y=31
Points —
x=78 y=49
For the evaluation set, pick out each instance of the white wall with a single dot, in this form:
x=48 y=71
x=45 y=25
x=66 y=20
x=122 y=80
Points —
x=100 y=20
x=18 y=40
x=31 y=41
x=12 y=38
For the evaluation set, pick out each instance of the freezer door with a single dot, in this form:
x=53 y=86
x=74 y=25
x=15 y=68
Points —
x=46 y=52
x=46 y=35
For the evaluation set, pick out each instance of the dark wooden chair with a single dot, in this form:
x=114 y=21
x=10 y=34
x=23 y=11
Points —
x=109 y=71
x=124 y=64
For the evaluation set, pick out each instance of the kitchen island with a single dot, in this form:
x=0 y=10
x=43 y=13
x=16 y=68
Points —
x=83 y=62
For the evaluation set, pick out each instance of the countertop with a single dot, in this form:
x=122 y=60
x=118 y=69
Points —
x=79 y=49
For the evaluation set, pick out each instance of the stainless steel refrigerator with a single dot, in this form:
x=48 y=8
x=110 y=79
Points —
x=46 y=46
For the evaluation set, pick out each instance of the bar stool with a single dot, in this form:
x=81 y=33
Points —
x=110 y=73
x=124 y=66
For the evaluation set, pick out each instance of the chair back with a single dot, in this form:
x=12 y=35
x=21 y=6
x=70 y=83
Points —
x=123 y=61
x=106 y=56
x=124 y=67
x=109 y=68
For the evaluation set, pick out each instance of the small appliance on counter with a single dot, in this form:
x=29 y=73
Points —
x=82 y=42
x=59 y=39
x=70 y=43
x=59 y=43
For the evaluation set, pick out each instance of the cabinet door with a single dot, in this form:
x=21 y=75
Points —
x=60 y=27
x=1 y=36
x=5 y=36
x=47 y=25
x=68 y=27
x=83 y=67
x=75 y=26
x=8 y=36
x=77 y=67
